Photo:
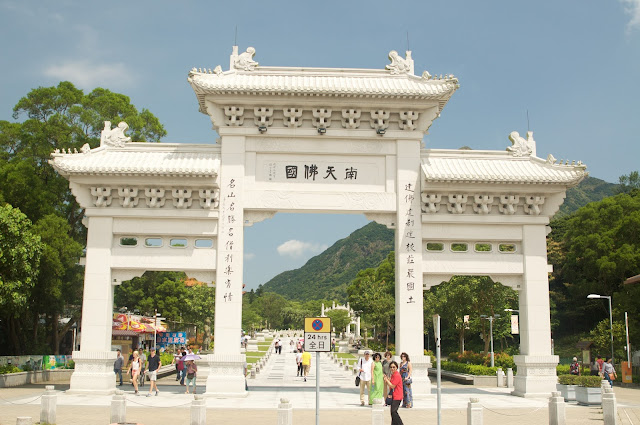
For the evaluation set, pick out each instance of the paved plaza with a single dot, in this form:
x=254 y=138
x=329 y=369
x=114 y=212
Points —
x=339 y=402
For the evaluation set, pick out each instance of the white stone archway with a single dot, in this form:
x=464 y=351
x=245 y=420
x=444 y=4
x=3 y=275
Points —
x=315 y=140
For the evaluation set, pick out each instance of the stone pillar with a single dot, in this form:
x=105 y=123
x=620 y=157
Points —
x=48 y=406
x=377 y=412
x=509 y=377
x=94 y=362
x=408 y=249
x=556 y=409
x=358 y=327
x=536 y=365
x=227 y=363
x=609 y=407
x=118 y=408
x=474 y=412
x=198 y=411
x=500 y=377
x=285 y=412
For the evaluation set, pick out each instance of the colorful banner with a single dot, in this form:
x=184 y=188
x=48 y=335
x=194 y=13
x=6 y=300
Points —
x=167 y=338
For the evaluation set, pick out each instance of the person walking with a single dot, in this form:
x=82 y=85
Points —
x=179 y=364
x=377 y=383
x=183 y=373
x=306 y=363
x=594 y=368
x=574 y=368
x=405 y=371
x=395 y=384
x=386 y=370
x=365 y=366
x=154 y=365
x=134 y=368
x=299 y=367
x=192 y=370
x=609 y=371
x=143 y=365
x=601 y=365
x=118 y=365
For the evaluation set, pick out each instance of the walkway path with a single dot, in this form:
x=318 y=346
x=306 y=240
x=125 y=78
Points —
x=339 y=402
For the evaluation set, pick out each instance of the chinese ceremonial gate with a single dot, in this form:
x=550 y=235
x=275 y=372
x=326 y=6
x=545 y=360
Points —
x=316 y=140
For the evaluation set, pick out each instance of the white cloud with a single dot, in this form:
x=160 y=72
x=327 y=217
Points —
x=632 y=8
x=249 y=256
x=296 y=249
x=88 y=75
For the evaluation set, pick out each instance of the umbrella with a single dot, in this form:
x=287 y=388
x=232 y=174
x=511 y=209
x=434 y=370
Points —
x=191 y=357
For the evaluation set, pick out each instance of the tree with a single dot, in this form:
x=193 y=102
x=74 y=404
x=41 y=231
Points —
x=161 y=291
x=601 y=338
x=59 y=280
x=199 y=306
x=339 y=319
x=20 y=251
x=372 y=294
x=629 y=182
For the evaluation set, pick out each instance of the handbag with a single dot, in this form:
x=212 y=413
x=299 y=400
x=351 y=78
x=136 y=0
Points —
x=190 y=375
x=389 y=398
x=408 y=381
x=358 y=381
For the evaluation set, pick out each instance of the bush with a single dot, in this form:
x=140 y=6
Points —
x=588 y=381
x=503 y=360
x=563 y=369
x=9 y=369
x=567 y=379
x=430 y=353
x=469 y=369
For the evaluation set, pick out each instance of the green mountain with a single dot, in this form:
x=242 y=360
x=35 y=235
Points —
x=589 y=190
x=327 y=275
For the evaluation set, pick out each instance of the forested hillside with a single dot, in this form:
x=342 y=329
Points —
x=328 y=274
x=590 y=189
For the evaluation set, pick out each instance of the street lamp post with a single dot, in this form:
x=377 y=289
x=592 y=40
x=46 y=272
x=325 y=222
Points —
x=490 y=319
x=596 y=296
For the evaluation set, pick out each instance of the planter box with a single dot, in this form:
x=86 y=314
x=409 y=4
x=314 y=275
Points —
x=58 y=376
x=588 y=396
x=567 y=391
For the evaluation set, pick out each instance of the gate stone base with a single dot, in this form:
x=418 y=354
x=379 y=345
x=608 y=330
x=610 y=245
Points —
x=93 y=373
x=536 y=376
x=226 y=375
x=420 y=376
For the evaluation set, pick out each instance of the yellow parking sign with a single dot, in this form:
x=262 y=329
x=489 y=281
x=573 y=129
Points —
x=317 y=324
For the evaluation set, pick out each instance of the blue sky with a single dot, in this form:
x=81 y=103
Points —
x=573 y=64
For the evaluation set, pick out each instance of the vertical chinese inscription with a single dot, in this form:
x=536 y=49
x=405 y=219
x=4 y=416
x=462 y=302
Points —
x=230 y=232
x=410 y=275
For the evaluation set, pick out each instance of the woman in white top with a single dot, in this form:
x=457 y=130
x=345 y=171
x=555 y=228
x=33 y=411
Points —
x=134 y=368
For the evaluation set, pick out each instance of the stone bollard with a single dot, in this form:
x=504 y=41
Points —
x=609 y=407
x=253 y=374
x=285 y=412
x=377 y=412
x=500 y=377
x=509 y=377
x=474 y=412
x=118 y=408
x=48 y=406
x=24 y=420
x=198 y=410
x=556 y=409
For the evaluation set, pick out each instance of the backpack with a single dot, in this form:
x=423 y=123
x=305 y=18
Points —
x=574 y=368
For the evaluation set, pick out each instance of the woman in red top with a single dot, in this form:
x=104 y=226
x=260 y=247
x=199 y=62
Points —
x=395 y=383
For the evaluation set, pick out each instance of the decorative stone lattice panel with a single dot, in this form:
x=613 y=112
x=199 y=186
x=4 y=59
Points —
x=292 y=117
x=128 y=196
x=102 y=196
x=532 y=205
x=234 y=115
x=457 y=203
x=322 y=117
x=482 y=204
x=155 y=197
x=431 y=203
x=182 y=198
x=263 y=116
x=508 y=204
x=380 y=120
x=408 y=120
x=351 y=118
